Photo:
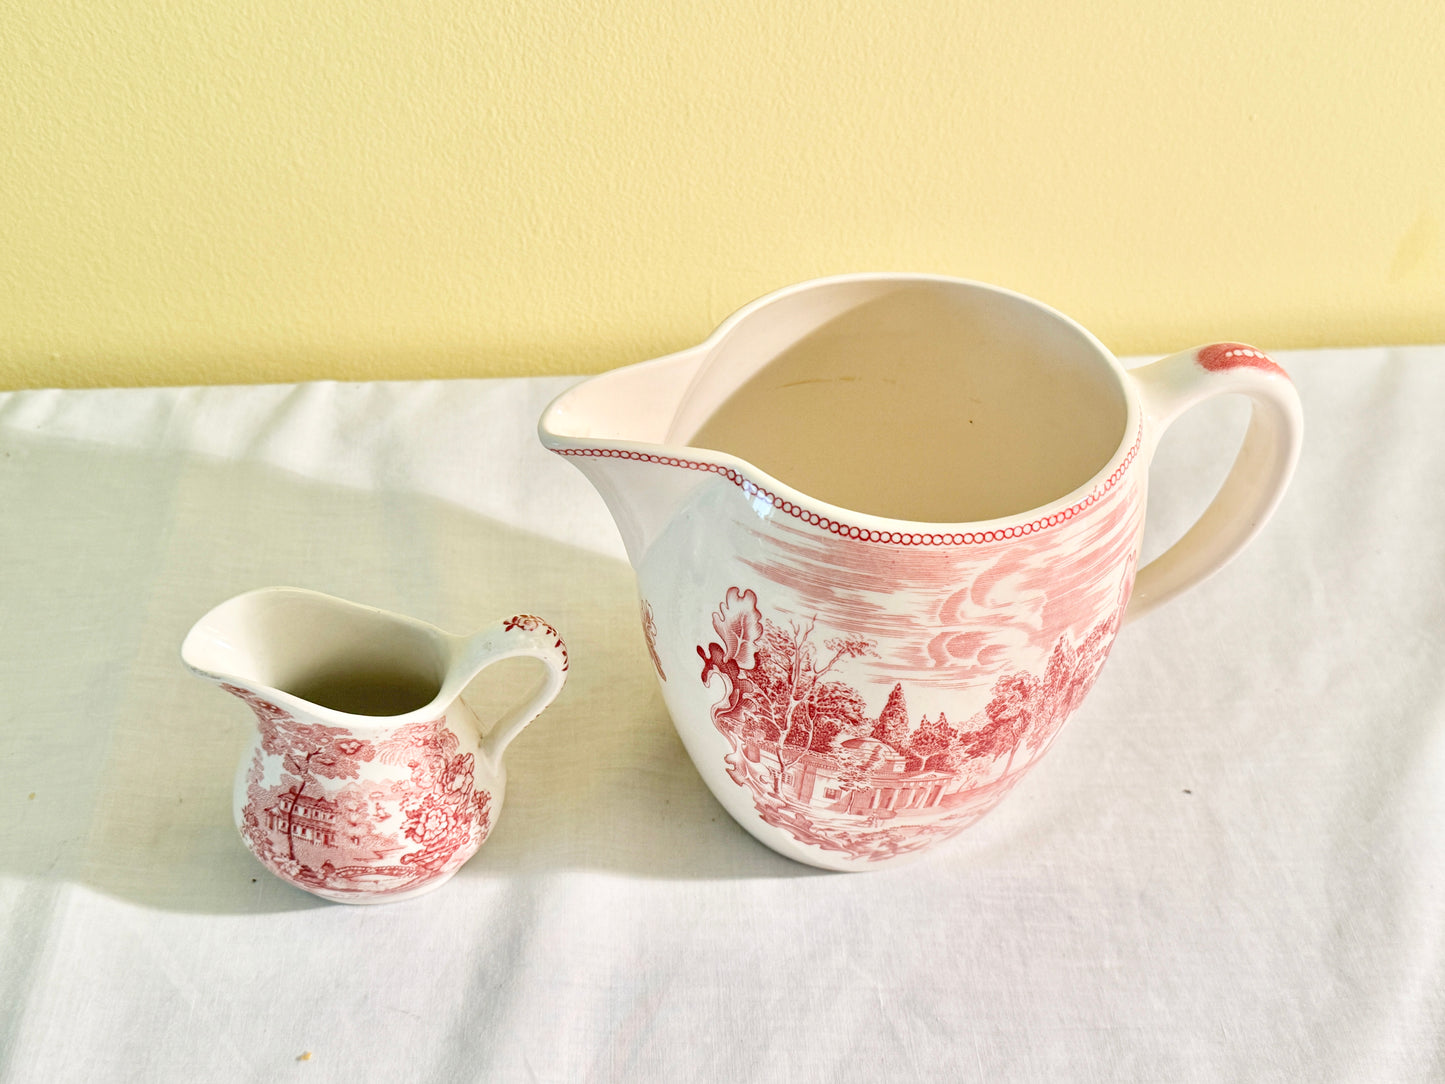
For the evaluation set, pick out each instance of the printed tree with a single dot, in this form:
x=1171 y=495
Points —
x=1009 y=714
x=939 y=745
x=1026 y=712
x=781 y=698
x=813 y=710
x=1068 y=678
x=892 y=726
x=935 y=745
x=307 y=750
x=835 y=714
x=807 y=709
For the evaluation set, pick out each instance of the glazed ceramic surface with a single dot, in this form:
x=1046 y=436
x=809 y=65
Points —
x=366 y=779
x=885 y=529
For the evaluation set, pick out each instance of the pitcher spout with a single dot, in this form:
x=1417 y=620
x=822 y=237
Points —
x=778 y=402
x=615 y=429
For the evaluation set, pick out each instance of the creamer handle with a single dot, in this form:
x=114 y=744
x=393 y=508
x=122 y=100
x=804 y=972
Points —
x=1260 y=473
x=521 y=636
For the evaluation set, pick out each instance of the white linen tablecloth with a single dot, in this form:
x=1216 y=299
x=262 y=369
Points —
x=1230 y=866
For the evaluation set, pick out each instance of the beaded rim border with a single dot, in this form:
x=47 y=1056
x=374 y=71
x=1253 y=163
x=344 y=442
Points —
x=863 y=534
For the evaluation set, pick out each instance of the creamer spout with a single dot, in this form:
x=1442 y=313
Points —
x=316 y=656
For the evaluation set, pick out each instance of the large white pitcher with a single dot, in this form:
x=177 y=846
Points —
x=885 y=528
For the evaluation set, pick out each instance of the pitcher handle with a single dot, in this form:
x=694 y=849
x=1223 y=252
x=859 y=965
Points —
x=523 y=635
x=1260 y=473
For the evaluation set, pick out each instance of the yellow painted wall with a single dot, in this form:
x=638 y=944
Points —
x=210 y=191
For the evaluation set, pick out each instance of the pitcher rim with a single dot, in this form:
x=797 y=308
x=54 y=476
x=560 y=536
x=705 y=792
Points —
x=438 y=705
x=866 y=526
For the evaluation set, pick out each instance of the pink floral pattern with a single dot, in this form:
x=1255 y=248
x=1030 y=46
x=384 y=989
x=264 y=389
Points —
x=348 y=816
x=824 y=768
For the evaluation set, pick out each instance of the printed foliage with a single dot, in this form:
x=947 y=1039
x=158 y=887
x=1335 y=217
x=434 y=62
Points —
x=380 y=831
x=824 y=769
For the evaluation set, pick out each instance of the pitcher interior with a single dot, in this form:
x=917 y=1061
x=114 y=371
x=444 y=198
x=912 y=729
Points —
x=326 y=652
x=924 y=400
